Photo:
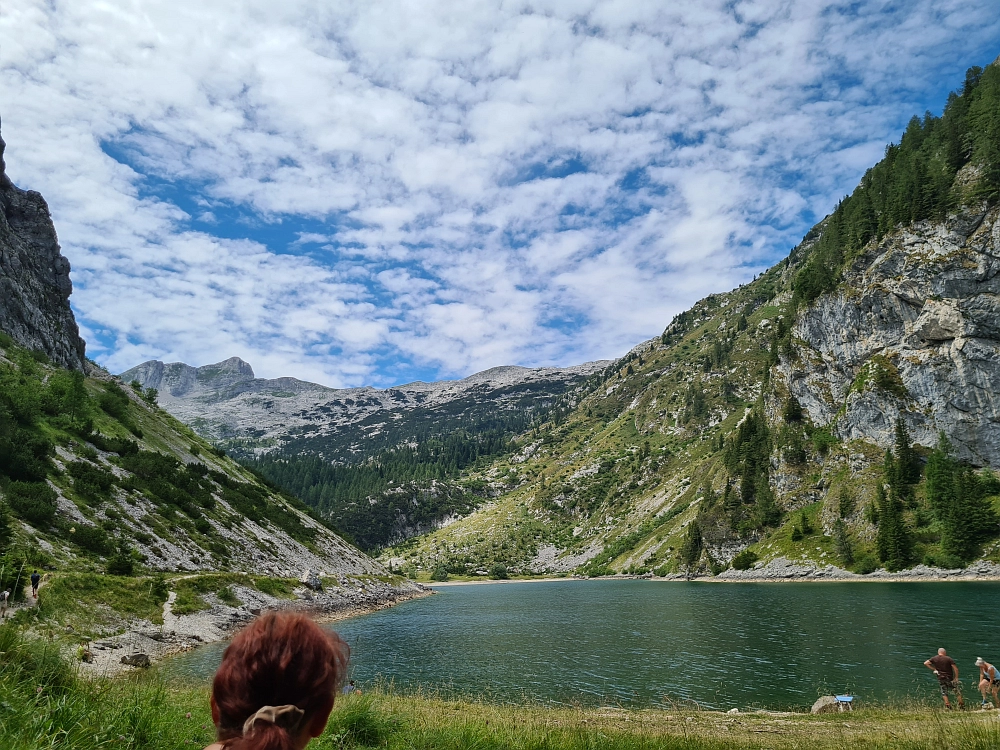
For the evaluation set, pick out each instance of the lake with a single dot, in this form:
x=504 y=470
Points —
x=643 y=643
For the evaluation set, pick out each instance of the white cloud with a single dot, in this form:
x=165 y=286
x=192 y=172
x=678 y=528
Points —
x=453 y=170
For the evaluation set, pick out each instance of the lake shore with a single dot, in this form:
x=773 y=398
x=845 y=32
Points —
x=219 y=622
x=779 y=570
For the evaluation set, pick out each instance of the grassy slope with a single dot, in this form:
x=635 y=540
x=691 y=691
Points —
x=653 y=431
x=151 y=429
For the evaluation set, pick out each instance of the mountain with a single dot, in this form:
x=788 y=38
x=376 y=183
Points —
x=93 y=475
x=226 y=403
x=840 y=410
x=381 y=464
x=34 y=277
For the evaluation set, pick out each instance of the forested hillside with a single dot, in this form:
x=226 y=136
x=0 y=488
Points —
x=841 y=409
x=405 y=479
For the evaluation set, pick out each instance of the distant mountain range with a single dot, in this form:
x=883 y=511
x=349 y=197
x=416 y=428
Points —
x=226 y=403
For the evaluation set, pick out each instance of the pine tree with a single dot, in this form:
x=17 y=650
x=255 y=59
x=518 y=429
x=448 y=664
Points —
x=907 y=461
x=692 y=546
x=842 y=543
x=893 y=541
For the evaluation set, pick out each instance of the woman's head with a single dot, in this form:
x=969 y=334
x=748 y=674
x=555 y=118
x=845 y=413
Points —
x=279 y=661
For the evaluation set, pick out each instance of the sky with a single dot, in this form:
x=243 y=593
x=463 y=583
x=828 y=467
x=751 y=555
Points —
x=379 y=192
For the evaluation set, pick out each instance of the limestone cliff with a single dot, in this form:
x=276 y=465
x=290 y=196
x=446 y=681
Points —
x=920 y=313
x=34 y=277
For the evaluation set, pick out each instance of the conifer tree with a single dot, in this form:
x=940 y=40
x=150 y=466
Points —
x=692 y=546
x=842 y=543
x=893 y=541
x=907 y=462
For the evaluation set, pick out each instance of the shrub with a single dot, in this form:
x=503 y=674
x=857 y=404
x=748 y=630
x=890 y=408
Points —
x=91 y=538
x=121 y=446
x=91 y=482
x=122 y=562
x=499 y=572
x=440 y=573
x=35 y=502
x=867 y=564
x=744 y=560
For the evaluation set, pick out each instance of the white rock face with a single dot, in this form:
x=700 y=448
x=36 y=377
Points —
x=923 y=307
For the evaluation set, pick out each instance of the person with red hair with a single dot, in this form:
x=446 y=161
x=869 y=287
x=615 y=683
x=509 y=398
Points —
x=275 y=687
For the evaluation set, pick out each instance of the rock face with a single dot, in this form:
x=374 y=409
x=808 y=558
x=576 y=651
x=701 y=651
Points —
x=34 y=277
x=913 y=332
x=225 y=401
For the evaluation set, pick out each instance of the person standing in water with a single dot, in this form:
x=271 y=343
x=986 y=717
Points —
x=989 y=681
x=276 y=684
x=946 y=670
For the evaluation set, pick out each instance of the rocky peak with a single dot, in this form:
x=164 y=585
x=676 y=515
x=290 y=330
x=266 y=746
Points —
x=34 y=277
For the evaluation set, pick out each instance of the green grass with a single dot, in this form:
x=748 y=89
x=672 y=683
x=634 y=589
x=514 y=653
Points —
x=191 y=589
x=92 y=603
x=44 y=703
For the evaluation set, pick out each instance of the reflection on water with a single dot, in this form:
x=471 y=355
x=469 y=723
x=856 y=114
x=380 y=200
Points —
x=647 y=642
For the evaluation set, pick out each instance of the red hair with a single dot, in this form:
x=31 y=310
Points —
x=279 y=659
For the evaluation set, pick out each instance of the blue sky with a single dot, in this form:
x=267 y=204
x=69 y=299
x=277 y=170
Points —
x=378 y=192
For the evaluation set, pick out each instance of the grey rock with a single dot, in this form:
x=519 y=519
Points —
x=34 y=277
x=825 y=704
x=311 y=579
x=137 y=660
x=926 y=303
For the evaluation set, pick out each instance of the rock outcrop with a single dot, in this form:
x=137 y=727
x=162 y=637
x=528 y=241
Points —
x=914 y=331
x=34 y=277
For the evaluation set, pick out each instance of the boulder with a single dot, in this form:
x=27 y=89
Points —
x=311 y=579
x=137 y=660
x=825 y=704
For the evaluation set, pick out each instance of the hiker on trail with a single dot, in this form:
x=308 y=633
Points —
x=4 y=597
x=989 y=681
x=275 y=687
x=946 y=670
x=35 y=579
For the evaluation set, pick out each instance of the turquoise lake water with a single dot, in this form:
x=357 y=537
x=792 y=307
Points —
x=645 y=643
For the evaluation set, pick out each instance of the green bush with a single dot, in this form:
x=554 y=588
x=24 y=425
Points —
x=92 y=483
x=91 y=538
x=867 y=564
x=34 y=502
x=122 y=562
x=744 y=560
x=499 y=572
x=440 y=573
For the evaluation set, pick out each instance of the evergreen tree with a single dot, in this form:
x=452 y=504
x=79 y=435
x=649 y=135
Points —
x=907 y=461
x=692 y=546
x=842 y=543
x=893 y=541
x=960 y=500
x=766 y=510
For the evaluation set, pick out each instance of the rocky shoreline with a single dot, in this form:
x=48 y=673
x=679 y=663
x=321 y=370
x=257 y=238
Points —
x=144 y=643
x=782 y=569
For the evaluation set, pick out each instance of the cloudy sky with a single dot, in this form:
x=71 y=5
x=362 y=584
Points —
x=378 y=192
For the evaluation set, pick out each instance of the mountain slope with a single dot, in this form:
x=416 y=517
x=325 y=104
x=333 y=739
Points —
x=382 y=464
x=757 y=425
